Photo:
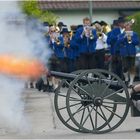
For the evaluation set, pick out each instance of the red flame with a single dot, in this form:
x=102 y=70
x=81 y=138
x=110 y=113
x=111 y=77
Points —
x=27 y=68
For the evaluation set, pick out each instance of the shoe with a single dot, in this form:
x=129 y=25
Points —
x=45 y=88
x=57 y=90
x=138 y=130
x=31 y=85
x=127 y=82
x=50 y=89
x=130 y=86
x=64 y=85
x=39 y=84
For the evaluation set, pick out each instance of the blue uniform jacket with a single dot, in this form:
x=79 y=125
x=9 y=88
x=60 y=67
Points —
x=71 y=51
x=128 y=49
x=75 y=46
x=86 y=45
x=112 y=39
x=58 y=48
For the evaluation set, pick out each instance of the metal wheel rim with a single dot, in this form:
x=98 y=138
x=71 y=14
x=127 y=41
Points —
x=73 y=128
x=114 y=108
x=126 y=108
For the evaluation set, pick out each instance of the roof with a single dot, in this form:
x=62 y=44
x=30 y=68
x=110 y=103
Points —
x=83 y=5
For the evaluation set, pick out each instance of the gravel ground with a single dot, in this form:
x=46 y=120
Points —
x=44 y=123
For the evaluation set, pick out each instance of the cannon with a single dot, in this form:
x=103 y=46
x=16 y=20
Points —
x=93 y=101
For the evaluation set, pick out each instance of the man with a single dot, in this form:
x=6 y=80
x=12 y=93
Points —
x=58 y=61
x=100 y=46
x=112 y=41
x=86 y=37
x=127 y=43
x=69 y=50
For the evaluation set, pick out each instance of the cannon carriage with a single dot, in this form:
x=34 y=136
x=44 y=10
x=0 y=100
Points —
x=92 y=101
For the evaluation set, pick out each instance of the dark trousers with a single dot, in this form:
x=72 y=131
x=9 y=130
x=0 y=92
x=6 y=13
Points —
x=87 y=61
x=57 y=64
x=77 y=63
x=116 y=65
x=100 y=58
x=70 y=65
x=128 y=63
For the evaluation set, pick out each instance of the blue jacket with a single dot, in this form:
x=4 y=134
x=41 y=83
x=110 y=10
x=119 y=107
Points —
x=71 y=52
x=86 y=45
x=112 y=39
x=128 y=49
x=75 y=46
x=58 y=48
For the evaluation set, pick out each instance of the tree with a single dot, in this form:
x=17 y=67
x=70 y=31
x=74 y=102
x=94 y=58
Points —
x=136 y=25
x=31 y=9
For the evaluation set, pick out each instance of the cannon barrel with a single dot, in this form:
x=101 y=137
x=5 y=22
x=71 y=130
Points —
x=62 y=75
x=69 y=76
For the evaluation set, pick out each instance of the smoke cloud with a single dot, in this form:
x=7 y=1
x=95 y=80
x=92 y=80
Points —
x=20 y=37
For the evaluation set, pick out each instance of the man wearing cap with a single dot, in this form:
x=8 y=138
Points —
x=127 y=43
x=69 y=49
x=112 y=41
x=57 y=57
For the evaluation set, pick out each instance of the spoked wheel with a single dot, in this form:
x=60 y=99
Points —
x=60 y=104
x=105 y=102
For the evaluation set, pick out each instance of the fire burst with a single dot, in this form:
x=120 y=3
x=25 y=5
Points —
x=21 y=67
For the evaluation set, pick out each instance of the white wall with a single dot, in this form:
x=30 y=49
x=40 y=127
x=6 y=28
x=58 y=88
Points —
x=76 y=17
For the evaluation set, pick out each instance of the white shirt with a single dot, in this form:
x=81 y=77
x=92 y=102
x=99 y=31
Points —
x=101 y=43
x=122 y=30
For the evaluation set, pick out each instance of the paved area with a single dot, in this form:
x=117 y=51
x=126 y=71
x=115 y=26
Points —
x=44 y=124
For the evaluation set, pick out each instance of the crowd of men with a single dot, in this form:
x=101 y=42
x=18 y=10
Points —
x=84 y=47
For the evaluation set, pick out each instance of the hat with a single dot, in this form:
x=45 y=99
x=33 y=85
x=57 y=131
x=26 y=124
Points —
x=45 y=23
x=103 y=23
x=121 y=20
x=115 y=22
x=65 y=30
x=61 y=24
x=93 y=23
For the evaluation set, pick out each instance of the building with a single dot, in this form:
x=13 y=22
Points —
x=71 y=12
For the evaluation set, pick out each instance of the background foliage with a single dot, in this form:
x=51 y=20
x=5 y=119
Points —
x=136 y=25
x=31 y=9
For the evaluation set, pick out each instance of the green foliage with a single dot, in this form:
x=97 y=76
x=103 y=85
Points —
x=136 y=25
x=31 y=9
x=49 y=16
